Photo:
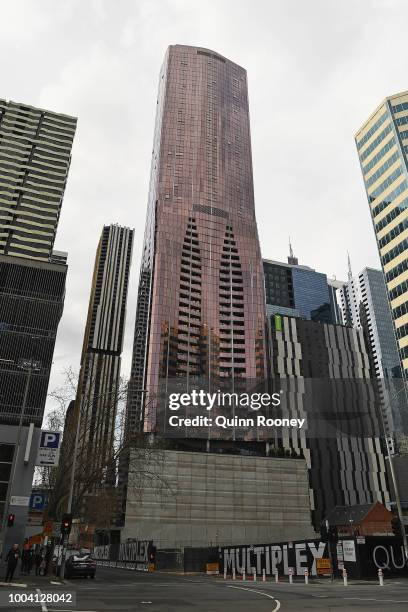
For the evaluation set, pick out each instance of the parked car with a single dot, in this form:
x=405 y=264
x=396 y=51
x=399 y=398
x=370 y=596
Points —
x=79 y=563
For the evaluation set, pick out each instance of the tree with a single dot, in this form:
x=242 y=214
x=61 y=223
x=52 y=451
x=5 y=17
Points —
x=97 y=492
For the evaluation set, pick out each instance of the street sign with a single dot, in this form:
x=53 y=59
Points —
x=19 y=500
x=349 y=550
x=35 y=519
x=48 y=450
x=38 y=500
x=323 y=566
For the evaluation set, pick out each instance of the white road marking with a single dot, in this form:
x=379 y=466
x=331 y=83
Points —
x=43 y=606
x=276 y=608
x=380 y=600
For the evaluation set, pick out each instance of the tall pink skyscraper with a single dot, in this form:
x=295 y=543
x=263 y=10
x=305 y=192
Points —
x=201 y=306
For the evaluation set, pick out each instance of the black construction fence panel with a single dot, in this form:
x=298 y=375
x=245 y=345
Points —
x=381 y=552
x=170 y=559
x=361 y=557
x=196 y=559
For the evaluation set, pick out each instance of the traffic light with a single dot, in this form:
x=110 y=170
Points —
x=66 y=524
x=396 y=526
x=10 y=519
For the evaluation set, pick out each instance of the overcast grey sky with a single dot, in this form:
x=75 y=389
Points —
x=316 y=71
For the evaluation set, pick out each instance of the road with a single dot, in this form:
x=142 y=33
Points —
x=119 y=590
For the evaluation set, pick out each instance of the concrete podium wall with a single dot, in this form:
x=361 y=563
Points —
x=181 y=499
x=22 y=484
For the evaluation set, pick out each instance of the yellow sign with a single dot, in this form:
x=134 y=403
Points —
x=323 y=566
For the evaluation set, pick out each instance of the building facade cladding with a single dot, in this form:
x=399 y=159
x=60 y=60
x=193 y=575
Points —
x=35 y=155
x=296 y=287
x=201 y=304
x=99 y=379
x=31 y=304
x=382 y=145
x=344 y=469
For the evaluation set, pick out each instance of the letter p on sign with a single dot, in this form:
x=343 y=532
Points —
x=49 y=439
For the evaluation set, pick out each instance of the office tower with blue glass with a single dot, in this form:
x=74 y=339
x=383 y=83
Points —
x=295 y=290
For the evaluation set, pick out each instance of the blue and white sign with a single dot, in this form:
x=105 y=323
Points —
x=38 y=501
x=48 y=450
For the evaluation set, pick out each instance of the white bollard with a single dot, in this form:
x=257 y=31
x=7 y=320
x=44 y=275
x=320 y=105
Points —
x=345 y=577
x=225 y=574
x=233 y=573
x=276 y=576
x=381 y=577
x=243 y=575
x=290 y=575
x=263 y=575
x=254 y=573
x=306 y=576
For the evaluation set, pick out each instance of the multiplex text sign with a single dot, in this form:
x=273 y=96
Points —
x=135 y=554
x=274 y=558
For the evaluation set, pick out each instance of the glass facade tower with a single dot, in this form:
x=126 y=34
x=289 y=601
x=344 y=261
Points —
x=201 y=304
x=382 y=145
x=296 y=290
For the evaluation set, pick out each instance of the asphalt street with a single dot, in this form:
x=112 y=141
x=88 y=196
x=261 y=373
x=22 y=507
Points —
x=122 y=590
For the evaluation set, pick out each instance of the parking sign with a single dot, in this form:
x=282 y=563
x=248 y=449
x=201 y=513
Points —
x=48 y=450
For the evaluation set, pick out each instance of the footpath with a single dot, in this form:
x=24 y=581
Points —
x=30 y=581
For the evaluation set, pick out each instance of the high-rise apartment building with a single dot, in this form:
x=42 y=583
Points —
x=345 y=460
x=382 y=144
x=99 y=378
x=296 y=290
x=35 y=155
x=201 y=304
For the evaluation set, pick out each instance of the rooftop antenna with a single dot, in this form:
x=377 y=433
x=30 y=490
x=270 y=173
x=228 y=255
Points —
x=292 y=260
